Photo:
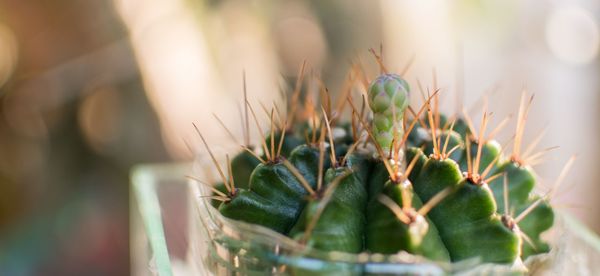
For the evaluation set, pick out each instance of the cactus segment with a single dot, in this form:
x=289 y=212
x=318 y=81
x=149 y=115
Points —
x=275 y=199
x=388 y=98
x=251 y=207
x=521 y=182
x=335 y=223
x=467 y=219
x=386 y=234
x=536 y=222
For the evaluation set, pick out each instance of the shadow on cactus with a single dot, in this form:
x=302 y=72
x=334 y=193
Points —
x=390 y=178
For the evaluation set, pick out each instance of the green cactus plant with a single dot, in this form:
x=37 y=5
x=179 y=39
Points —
x=430 y=185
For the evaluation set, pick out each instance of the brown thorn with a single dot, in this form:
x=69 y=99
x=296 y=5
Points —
x=436 y=101
x=299 y=176
x=563 y=174
x=272 y=140
x=350 y=151
x=281 y=139
x=410 y=167
x=230 y=171
x=379 y=61
x=321 y=159
x=362 y=76
x=480 y=142
x=306 y=139
x=347 y=87
x=435 y=200
x=499 y=127
x=219 y=198
x=211 y=187
x=189 y=147
x=353 y=125
x=260 y=131
x=492 y=178
x=331 y=144
x=246 y=118
x=226 y=129
x=296 y=93
x=528 y=240
x=414 y=122
x=416 y=118
x=469 y=161
x=452 y=150
x=470 y=124
x=436 y=151
x=535 y=142
x=505 y=195
x=529 y=209
x=539 y=154
x=213 y=158
x=247 y=149
x=390 y=204
x=448 y=138
x=282 y=126
x=523 y=112
x=491 y=164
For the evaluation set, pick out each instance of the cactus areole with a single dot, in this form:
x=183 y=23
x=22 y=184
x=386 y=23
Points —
x=373 y=187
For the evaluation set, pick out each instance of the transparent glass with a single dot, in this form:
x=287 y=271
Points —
x=206 y=243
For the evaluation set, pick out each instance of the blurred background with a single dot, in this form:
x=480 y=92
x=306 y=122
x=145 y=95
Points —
x=90 y=88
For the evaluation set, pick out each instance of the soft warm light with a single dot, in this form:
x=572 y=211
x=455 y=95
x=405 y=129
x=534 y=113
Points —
x=572 y=35
x=8 y=53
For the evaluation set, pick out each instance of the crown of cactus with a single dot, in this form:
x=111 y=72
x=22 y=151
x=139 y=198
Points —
x=408 y=179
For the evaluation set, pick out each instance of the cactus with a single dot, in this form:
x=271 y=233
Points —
x=430 y=185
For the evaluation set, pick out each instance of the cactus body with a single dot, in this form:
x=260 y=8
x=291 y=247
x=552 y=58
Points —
x=447 y=211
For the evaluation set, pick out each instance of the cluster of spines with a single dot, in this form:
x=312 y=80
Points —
x=453 y=198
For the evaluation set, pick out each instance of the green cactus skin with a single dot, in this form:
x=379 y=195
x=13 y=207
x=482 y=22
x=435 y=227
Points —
x=386 y=234
x=467 y=219
x=242 y=166
x=275 y=199
x=341 y=225
x=538 y=221
x=521 y=182
x=306 y=159
x=361 y=164
x=388 y=98
x=378 y=177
